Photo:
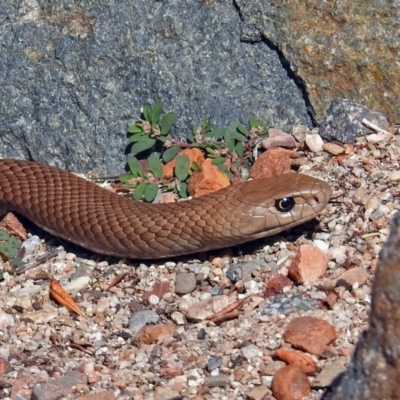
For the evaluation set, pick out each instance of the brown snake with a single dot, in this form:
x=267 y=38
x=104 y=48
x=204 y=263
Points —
x=99 y=220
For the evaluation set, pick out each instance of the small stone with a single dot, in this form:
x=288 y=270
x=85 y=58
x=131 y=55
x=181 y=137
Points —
x=272 y=367
x=309 y=265
x=314 y=142
x=310 y=334
x=153 y=333
x=185 y=282
x=351 y=278
x=106 y=395
x=178 y=318
x=276 y=285
x=42 y=317
x=258 y=393
x=214 y=363
x=11 y=224
x=328 y=374
x=207 y=179
x=333 y=148
x=251 y=351
x=61 y=387
x=208 y=307
x=291 y=357
x=394 y=176
x=375 y=138
x=278 y=138
x=159 y=289
x=165 y=393
x=142 y=318
x=273 y=162
x=290 y=383
x=77 y=285
x=216 y=381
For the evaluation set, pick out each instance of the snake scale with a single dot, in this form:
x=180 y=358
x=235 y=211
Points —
x=97 y=219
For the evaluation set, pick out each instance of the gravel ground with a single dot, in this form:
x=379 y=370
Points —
x=146 y=336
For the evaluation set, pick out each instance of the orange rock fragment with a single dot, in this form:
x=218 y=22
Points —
x=207 y=179
x=273 y=162
x=194 y=155
x=290 y=383
x=309 y=264
x=276 y=285
x=305 y=362
x=153 y=333
x=310 y=334
x=13 y=227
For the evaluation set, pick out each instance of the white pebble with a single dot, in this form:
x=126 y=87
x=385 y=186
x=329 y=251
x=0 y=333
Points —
x=320 y=244
x=77 y=284
x=153 y=300
x=314 y=142
x=5 y=320
x=251 y=351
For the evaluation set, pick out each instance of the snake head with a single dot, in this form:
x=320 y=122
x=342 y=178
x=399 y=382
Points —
x=272 y=205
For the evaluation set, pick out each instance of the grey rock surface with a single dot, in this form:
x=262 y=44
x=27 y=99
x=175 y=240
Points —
x=374 y=371
x=343 y=121
x=73 y=75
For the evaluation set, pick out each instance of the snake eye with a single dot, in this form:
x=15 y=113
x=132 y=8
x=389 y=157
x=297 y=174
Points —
x=285 y=204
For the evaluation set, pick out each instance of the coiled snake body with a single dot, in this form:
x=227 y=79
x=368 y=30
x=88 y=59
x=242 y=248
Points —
x=97 y=219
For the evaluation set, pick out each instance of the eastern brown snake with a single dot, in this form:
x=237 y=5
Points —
x=97 y=219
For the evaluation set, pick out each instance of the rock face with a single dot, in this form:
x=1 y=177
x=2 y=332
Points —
x=337 y=49
x=73 y=75
x=374 y=371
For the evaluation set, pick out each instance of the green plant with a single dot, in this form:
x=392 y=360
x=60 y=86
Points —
x=231 y=149
x=10 y=249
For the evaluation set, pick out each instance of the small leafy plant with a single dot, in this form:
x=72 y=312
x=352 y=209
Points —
x=232 y=149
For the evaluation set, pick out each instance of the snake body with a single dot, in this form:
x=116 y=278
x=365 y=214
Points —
x=97 y=219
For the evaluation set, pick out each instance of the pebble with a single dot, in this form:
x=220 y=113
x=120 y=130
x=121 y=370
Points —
x=251 y=351
x=328 y=374
x=214 y=363
x=290 y=383
x=314 y=142
x=30 y=245
x=185 y=282
x=77 y=285
x=142 y=318
x=394 y=176
x=5 y=320
x=216 y=381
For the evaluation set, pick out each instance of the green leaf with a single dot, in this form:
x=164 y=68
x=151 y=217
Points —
x=4 y=235
x=242 y=129
x=135 y=129
x=125 y=178
x=218 y=161
x=230 y=145
x=222 y=168
x=162 y=138
x=195 y=166
x=139 y=191
x=137 y=137
x=10 y=246
x=155 y=166
x=217 y=133
x=150 y=192
x=256 y=123
x=182 y=167
x=143 y=145
x=238 y=136
x=183 y=191
x=155 y=113
x=167 y=122
x=134 y=166
x=170 y=153
x=239 y=149
x=146 y=113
